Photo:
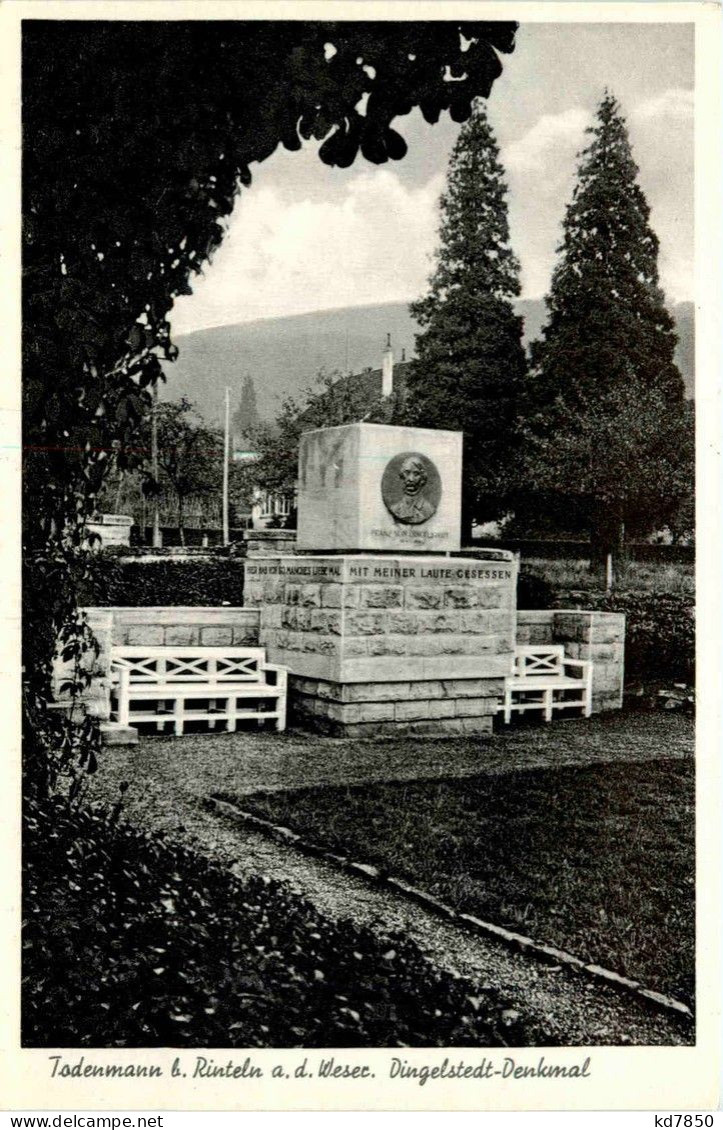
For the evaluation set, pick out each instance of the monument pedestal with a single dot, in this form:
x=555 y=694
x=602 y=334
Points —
x=382 y=646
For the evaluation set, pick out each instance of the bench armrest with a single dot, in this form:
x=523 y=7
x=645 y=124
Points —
x=279 y=671
x=584 y=664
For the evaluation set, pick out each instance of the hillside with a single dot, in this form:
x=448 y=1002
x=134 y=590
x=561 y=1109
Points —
x=284 y=355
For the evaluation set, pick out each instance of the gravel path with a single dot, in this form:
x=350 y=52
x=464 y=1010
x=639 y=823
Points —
x=569 y=1007
x=171 y=779
x=248 y=761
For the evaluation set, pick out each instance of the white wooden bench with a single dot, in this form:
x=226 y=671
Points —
x=540 y=681
x=200 y=684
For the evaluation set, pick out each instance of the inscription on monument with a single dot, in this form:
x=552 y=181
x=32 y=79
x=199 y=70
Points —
x=348 y=569
x=323 y=571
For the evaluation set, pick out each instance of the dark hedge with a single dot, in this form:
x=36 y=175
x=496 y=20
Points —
x=534 y=591
x=130 y=941
x=659 y=630
x=659 y=626
x=136 y=583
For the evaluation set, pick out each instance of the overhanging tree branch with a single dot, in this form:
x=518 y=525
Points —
x=136 y=138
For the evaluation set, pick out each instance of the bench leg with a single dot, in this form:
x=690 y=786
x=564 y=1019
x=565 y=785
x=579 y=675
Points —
x=508 y=707
x=230 y=715
x=178 y=717
x=211 y=708
x=123 y=710
x=281 y=707
x=548 y=705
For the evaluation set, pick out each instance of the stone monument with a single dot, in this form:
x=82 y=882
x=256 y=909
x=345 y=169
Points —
x=373 y=487
x=383 y=629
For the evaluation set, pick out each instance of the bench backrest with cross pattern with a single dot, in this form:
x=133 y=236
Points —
x=543 y=660
x=203 y=665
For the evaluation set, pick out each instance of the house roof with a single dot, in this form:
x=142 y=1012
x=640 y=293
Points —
x=367 y=385
x=369 y=382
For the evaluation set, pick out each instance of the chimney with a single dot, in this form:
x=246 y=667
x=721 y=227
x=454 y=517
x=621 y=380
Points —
x=388 y=368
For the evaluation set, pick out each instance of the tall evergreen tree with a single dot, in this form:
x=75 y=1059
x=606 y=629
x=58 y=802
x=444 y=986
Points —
x=606 y=410
x=246 y=417
x=470 y=361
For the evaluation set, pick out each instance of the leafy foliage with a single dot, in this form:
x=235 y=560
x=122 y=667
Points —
x=150 y=920
x=137 y=493
x=533 y=591
x=136 y=136
x=470 y=360
x=190 y=454
x=607 y=422
x=659 y=630
x=60 y=745
x=335 y=400
x=63 y=744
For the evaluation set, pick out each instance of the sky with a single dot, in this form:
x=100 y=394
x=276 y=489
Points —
x=306 y=237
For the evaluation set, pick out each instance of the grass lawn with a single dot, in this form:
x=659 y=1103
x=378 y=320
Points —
x=595 y=859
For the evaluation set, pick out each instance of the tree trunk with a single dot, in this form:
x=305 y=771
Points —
x=466 y=520
x=608 y=553
x=620 y=553
x=118 y=493
x=181 y=531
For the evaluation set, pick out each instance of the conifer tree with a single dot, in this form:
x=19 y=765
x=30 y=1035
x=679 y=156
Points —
x=246 y=417
x=606 y=411
x=470 y=361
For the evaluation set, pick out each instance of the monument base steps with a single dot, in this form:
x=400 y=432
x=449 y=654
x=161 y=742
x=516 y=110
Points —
x=395 y=709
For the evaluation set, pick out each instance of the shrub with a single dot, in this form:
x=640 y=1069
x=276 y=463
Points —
x=139 y=583
x=660 y=633
x=659 y=630
x=132 y=941
x=533 y=591
x=659 y=626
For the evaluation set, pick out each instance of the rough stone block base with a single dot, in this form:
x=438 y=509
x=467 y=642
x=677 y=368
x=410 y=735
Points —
x=112 y=733
x=358 y=618
x=433 y=707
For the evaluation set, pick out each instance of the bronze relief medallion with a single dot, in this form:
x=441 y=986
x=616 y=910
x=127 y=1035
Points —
x=411 y=488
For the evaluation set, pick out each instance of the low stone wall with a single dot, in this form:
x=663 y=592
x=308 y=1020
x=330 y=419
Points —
x=261 y=543
x=365 y=707
x=204 y=627
x=596 y=636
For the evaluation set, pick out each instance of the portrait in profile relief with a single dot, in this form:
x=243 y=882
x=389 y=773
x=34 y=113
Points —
x=411 y=488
